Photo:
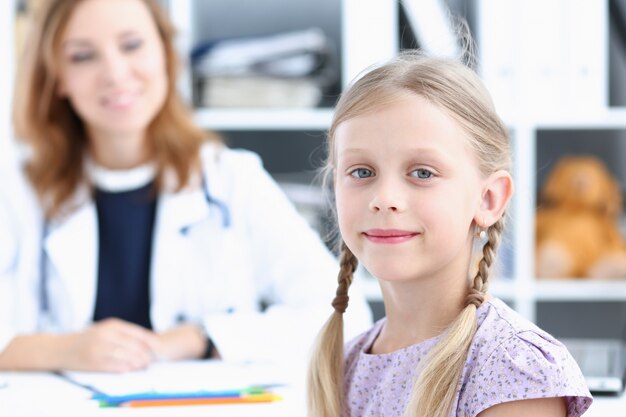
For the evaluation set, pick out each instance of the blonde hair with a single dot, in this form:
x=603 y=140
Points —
x=56 y=134
x=458 y=91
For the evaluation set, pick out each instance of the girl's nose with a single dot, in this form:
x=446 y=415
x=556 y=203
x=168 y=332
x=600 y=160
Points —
x=388 y=197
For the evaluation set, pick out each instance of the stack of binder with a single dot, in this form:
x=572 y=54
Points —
x=287 y=69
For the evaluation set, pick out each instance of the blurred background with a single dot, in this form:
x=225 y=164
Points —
x=266 y=73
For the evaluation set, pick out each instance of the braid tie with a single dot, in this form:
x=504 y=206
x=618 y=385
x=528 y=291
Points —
x=475 y=297
x=347 y=266
x=340 y=303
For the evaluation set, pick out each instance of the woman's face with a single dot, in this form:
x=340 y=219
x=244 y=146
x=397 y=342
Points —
x=113 y=68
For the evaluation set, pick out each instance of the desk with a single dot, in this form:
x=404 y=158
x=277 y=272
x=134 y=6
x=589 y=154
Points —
x=607 y=407
x=46 y=395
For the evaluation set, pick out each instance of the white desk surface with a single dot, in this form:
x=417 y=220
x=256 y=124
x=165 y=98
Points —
x=47 y=395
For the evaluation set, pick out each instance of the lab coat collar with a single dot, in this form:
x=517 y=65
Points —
x=180 y=210
x=71 y=244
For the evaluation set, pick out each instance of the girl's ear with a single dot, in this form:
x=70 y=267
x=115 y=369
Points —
x=497 y=191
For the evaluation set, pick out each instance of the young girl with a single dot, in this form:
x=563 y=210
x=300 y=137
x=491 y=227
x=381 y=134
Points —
x=421 y=171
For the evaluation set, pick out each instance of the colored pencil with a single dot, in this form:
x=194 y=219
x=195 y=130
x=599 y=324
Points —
x=245 y=399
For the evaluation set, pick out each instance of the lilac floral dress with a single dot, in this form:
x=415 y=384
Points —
x=509 y=359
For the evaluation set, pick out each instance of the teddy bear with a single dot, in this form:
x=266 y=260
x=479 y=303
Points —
x=577 y=232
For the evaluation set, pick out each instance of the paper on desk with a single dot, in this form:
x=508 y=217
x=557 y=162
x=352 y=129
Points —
x=187 y=376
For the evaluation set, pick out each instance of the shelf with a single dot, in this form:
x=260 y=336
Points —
x=502 y=288
x=608 y=118
x=551 y=290
x=263 y=119
x=562 y=290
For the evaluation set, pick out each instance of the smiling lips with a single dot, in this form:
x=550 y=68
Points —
x=389 y=236
x=119 y=101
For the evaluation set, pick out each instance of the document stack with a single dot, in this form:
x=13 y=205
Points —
x=288 y=69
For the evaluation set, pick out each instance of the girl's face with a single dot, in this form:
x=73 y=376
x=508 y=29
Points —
x=407 y=191
x=113 y=68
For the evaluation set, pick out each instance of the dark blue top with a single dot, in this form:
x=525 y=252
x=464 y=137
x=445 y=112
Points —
x=125 y=225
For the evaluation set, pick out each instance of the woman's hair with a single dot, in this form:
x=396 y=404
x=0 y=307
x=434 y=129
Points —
x=456 y=90
x=56 y=134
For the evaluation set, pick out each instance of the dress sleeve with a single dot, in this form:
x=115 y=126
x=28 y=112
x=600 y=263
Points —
x=524 y=366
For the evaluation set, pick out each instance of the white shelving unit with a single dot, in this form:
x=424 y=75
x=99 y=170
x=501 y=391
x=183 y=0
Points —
x=369 y=35
x=525 y=121
x=529 y=116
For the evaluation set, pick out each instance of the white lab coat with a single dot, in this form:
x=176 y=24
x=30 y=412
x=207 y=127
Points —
x=203 y=271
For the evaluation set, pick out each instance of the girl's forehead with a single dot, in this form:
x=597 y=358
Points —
x=408 y=129
x=411 y=119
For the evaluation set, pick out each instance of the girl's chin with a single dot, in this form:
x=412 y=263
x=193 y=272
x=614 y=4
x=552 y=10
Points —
x=391 y=276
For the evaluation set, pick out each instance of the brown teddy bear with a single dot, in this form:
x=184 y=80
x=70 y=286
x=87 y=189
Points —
x=577 y=233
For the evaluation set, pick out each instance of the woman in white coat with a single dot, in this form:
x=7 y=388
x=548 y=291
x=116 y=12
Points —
x=127 y=236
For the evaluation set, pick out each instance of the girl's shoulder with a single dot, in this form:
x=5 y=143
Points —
x=363 y=342
x=512 y=359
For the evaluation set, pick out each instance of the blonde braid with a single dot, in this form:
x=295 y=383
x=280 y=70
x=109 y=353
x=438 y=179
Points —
x=435 y=389
x=481 y=280
x=347 y=266
x=325 y=374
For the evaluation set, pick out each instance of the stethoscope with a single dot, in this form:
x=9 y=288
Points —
x=44 y=301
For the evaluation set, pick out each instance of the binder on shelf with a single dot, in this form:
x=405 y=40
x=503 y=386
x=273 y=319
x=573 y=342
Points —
x=498 y=63
x=286 y=69
x=259 y=92
x=285 y=54
x=432 y=25
x=588 y=45
x=545 y=57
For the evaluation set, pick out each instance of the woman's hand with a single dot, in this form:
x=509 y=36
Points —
x=186 y=341
x=110 y=345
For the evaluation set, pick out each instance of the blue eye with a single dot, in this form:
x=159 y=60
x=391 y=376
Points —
x=132 y=44
x=422 y=173
x=83 y=56
x=362 y=173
